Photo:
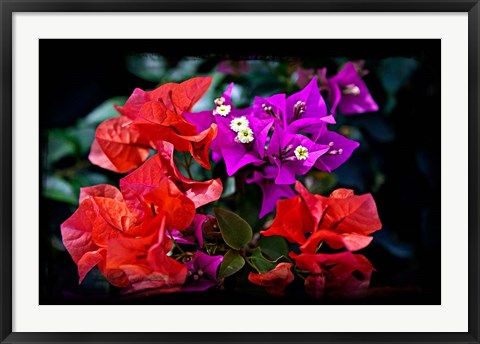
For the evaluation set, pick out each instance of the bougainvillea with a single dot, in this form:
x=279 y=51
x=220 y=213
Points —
x=124 y=231
x=162 y=232
x=148 y=118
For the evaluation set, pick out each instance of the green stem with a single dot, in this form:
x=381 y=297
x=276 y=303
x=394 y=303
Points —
x=188 y=163
x=250 y=263
x=71 y=171
x=180 y=255
x=174 y=241
x=286 y=257
x=297 y=272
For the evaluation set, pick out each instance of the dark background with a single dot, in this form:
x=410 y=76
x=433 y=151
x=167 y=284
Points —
x=401 y=147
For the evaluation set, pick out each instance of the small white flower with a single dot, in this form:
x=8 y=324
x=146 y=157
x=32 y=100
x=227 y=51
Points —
x=301 y=153
x=245 y=135
x=239 y=123
x=351 y=89
x=219 y=101
x=222 y=110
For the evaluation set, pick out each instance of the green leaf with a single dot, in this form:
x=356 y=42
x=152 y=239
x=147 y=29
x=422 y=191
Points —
x=259 y=262
x=395 y=73
x=60 y=190
x=236 y=232
x=185 y=69
x=229 y=187
x=59 y=146
x=231 y=263
x=150 y=67
x=249 y=209
x=87 y=178
x=102 y=112
x=83 y=137
x=321 y=182
x=274 y=246
x=377 y=126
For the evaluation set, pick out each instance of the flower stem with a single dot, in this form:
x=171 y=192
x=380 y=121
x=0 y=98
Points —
x=188 y=163
x=174 y=241
x=71 y=171
x=251 y=265
x=297 y=272
x=319 y=246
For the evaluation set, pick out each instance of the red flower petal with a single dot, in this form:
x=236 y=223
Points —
x=315 y=203
x=78 y=235
x=274 y=280
x=121 y=143
x=150 y=176
x=140 y=182
x=163 y=94
x=98 y=157
x=77 y=230
x=178 y=98
x=157 y=113
x=115 y=213
x=101 y=190
x=167 y=200
x=147 y=270
x=346 y=275
x=89 y=260
x=315 y=286
x=347 y=213
x=173 y=273
x=103 y=231
x=292 y=221
x=200 y=193
x=351 y=241
x=186 y=94
x=133 y=104
x=201 y=144
x=342 y=193
x=129 y=250
x=124 y=251
x=141 y=263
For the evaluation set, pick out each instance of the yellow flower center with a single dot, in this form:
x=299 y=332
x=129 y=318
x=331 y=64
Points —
x=301 y=153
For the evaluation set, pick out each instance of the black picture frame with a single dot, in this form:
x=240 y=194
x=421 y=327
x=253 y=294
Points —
x=8 y=7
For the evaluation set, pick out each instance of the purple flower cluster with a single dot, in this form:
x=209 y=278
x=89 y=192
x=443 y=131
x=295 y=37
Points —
x=281 y=136
x=346 y=90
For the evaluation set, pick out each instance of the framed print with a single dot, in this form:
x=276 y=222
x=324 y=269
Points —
x=237 y=174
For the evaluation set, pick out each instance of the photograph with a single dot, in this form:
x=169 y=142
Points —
x=240 y=172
